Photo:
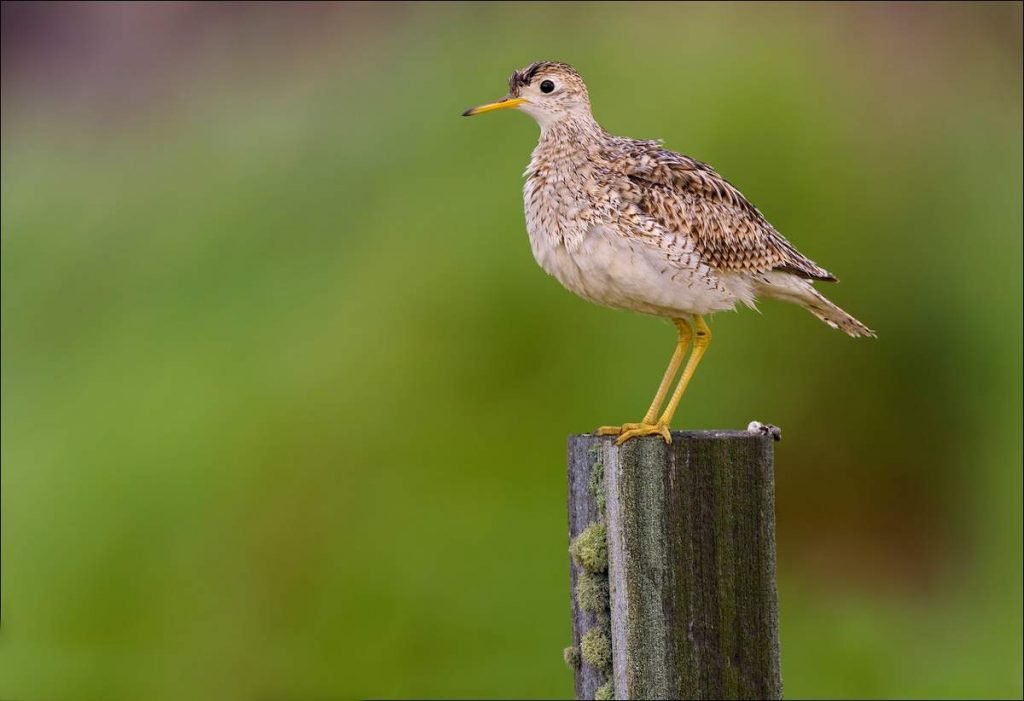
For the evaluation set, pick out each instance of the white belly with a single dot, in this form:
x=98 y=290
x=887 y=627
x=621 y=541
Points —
x=610 y=269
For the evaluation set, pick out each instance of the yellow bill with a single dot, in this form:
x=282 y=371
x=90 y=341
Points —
x=502 y=104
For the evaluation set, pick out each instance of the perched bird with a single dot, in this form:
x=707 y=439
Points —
x=631 y=225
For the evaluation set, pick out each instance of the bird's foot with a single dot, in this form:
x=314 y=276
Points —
x=627 y=431
x=615 y=430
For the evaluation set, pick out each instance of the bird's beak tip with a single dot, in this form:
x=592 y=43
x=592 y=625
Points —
x=502 y=104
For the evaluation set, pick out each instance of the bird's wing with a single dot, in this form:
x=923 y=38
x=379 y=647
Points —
x=688 y=198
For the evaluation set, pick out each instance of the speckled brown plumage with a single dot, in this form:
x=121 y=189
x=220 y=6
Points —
x=632 y=225
x=687 y=196
x=584 y=185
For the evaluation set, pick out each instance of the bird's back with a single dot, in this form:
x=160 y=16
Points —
x=688 y=198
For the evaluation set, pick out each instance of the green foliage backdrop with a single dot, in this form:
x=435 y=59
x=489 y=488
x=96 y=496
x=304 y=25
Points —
x=285 y=397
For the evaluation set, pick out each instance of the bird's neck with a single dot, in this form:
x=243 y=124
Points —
x=570 y=142
x=571 y=127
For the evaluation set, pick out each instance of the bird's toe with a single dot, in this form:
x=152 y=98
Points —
x=640 y=430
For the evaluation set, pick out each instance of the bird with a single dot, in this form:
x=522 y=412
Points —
x=628 y=224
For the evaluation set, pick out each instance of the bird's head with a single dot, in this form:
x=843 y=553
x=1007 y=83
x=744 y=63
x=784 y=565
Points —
x=547 y=91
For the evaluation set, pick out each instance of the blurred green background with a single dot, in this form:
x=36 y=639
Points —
x=285 y=396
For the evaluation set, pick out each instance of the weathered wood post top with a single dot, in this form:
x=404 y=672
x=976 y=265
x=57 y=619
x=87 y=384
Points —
x=673 y=566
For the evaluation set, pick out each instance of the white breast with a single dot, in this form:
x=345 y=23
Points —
x=577 y=236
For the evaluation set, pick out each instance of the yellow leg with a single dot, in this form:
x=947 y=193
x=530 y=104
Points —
x=646 y=426
x=700 y=344
x=673 y=367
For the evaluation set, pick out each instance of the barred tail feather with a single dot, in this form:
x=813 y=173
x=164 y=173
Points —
x=789 y=288
x=835 y=317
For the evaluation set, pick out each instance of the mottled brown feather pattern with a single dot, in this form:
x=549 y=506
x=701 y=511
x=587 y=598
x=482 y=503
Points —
x=688 y=197
x=631 y=225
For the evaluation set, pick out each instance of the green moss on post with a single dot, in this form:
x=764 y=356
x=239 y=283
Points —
x=588 y=545
x=571 y=656
x=596 y=648
x=605 y=692
x=590 y=549
x=592 y=593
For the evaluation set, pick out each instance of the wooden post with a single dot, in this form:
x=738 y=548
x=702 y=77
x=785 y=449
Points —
x=673 y=567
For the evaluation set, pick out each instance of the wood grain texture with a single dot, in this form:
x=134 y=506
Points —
x=584 y=510
x=691 y=546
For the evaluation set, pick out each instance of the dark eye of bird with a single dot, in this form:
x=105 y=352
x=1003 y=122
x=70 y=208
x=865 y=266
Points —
x=547 y=86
